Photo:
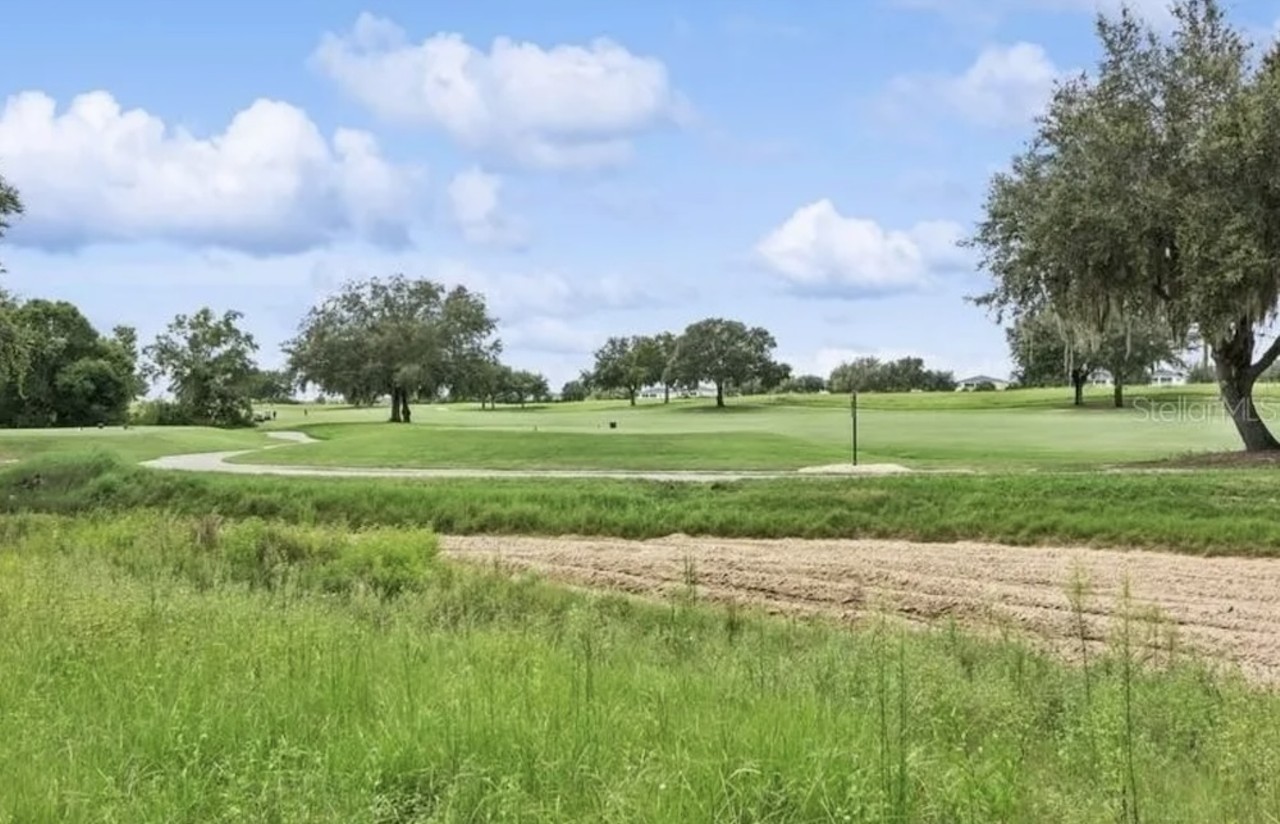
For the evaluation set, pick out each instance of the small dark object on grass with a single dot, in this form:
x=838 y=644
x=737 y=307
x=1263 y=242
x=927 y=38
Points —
x=101 y=425
x=613 y=424
x=33 y=482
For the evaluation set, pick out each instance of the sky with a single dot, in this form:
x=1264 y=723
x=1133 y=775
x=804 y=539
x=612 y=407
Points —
x=594 y=168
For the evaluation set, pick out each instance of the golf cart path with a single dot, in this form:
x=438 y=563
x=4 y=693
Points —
x=1225 y=609
x=221 y=462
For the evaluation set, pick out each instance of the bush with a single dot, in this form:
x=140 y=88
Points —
x=158 y=413
x=985 y=386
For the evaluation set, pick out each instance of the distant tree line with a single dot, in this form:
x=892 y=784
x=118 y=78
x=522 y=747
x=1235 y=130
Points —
x=902 y=375
x=726 y=354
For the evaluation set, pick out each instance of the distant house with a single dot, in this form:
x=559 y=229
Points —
x=1101 y=377
x=1168 y=377
x=704 y=390
x=970 y=384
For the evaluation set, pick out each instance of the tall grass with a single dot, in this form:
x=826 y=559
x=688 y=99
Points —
x=187 y=669
x=1207 y=512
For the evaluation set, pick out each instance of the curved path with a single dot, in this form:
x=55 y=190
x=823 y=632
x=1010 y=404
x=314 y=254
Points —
x=220 y=462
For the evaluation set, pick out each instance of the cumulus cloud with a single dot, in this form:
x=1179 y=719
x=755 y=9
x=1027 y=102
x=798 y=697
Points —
x=1007 y=85
x=474 y=200
x=271 y=181
x=567 y=106
x=818 y=250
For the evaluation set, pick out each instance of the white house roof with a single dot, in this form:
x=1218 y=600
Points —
x=983 y=379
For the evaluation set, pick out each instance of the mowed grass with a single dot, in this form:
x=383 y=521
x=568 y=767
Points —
x=161 y=669
x=133 y=444
x=1208 y=512
x=389 y=445
x=994 y=430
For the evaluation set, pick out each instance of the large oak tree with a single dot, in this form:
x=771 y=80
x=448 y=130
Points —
x=1152 y=189
x=724 y=352
x=398 y=337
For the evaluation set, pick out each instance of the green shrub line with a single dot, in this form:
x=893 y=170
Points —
x=1205 y=512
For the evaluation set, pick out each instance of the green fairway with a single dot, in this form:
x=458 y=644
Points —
x=132 y=444
x=993 y=430
x=160 y=669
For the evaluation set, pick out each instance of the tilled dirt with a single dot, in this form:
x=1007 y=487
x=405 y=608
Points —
x=1225 y=608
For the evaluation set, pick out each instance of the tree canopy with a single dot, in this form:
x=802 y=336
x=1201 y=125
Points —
x=207 y=362
x=73 y=376
x=723 y=352
x=399 y=337
x=628 y=364
x=1151 y=189
x=870 y=374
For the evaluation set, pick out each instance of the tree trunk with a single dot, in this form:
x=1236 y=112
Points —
x=666 y=393
x=631 y=393
x=719 y=395
x=1233 y=362
x=1078 y=377
x=1118 y=391
x=395 y=404
x=404 y=403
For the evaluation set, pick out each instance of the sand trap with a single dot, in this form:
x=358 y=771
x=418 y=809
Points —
x=850 y=469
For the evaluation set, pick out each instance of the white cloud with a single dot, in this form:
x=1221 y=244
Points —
x=474 y=199
x=819 y=250
x=1005 y=86
x=567 y=106
x=269 y=182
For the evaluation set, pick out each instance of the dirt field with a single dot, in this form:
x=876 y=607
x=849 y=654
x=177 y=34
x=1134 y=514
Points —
x=1223 y=607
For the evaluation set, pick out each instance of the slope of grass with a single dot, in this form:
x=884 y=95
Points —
x=161 y=670
x=1225 y=512
x=134 y=444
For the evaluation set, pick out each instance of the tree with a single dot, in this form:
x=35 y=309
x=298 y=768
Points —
x=207 y=361
x=573 y=391
x=621 y=365
x=522 y=386
x=870 y=374
x=667 y=344
x=803 y=385
x=1152 y=190
x=14 y=346
x=270 y=386
x=10 y=207
x=724 y=352
x=857 y=375
x=397 y=337
x=73 y=376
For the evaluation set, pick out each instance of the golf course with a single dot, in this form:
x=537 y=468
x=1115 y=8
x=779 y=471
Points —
x=885 y=646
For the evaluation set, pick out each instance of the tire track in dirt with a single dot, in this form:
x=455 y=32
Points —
x=1227 y=608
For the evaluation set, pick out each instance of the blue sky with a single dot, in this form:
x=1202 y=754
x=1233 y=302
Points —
x=595 y=168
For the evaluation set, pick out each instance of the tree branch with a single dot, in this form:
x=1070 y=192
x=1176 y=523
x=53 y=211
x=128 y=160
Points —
x=1268 y=358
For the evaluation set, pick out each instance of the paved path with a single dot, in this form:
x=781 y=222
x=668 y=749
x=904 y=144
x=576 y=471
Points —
x=220 y=462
